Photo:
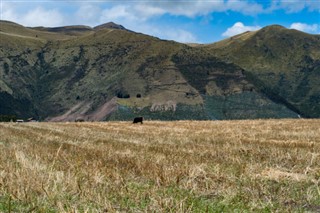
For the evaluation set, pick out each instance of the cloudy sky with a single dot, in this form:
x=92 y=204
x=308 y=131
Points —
x=201 y=21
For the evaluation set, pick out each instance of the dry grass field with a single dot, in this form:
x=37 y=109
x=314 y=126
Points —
x=184 y=166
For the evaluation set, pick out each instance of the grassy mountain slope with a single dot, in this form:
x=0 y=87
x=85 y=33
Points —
x=284 y=64
x=108 y=72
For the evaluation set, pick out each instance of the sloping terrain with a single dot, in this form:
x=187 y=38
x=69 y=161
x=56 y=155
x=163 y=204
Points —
x=108 y=72
x=284 y=64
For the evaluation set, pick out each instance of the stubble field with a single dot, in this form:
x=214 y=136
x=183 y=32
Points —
x=184 y=166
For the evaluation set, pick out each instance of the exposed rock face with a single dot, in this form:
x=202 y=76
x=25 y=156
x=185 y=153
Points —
x=163 y=107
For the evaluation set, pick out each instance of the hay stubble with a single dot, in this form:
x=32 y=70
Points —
x=270 y=165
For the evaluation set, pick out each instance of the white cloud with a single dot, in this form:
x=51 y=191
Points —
x=204 y=7
x=35 y=17
x=137 y=18
x=313 y=5
x=119 y=12
x=42 y=17
x=181 y=36
x=238 y=28
x=87 y=14
x=310 y=28
x=140 y=15
x=146 y=11
x=191 y=8
x=176 y=34
x=244 y=7
x=7 y=12
x=294 y=6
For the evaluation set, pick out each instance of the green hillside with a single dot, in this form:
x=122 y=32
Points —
x=111 y=73
x=284 y=64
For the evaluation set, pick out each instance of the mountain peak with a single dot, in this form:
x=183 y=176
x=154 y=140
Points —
x=109 y=25
x=274 y=27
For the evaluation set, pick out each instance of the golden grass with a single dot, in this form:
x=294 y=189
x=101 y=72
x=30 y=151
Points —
x=184 y=166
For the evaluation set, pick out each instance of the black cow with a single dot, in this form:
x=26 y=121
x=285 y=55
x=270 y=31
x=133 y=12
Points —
x=137 y=120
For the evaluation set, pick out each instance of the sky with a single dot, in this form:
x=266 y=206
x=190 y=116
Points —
x=189 y=21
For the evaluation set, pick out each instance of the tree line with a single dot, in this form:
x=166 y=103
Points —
x=8 y=118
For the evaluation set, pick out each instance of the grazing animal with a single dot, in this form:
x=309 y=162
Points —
x=137 y=120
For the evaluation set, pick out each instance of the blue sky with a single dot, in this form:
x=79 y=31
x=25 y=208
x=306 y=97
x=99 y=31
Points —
x=200 y=21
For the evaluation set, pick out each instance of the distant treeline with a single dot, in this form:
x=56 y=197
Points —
x=8 y=118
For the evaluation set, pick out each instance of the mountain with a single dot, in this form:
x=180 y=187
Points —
x=111 y=73
x=284 y=64
x=109 y=25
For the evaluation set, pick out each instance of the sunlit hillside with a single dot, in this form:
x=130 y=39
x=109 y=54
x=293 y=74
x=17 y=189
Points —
x=110 y=73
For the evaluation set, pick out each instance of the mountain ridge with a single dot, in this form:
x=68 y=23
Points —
x=290 y=57
x=116 y=74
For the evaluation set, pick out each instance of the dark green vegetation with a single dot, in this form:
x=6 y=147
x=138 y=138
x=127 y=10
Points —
x=108 y=72
x=8 y=118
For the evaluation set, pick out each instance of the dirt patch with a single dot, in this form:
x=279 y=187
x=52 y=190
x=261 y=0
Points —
x=79 y=112
x=73 y=114
x=103 y=111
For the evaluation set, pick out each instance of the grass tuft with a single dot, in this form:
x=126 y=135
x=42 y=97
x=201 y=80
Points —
x=183 y=166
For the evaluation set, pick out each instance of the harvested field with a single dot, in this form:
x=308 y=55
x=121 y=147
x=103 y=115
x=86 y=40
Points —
x=183 y=166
